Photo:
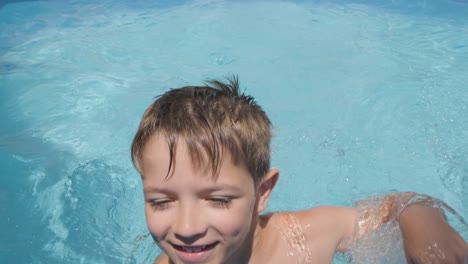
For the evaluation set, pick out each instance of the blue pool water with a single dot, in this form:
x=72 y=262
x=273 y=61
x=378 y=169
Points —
x=366 y=97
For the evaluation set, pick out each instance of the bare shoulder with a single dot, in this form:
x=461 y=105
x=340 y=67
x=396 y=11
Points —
x=334 y=224
x=328 y=214
x=162 y=259
x=318 y=232
x=321 y=216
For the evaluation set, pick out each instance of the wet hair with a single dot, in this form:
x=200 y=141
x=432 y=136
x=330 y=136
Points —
x=211 y=119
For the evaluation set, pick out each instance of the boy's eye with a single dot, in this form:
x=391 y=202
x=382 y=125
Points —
x=160 y=204
x=220 y=202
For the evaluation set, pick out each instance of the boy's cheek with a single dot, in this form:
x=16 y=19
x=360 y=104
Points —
x=234 y=222
x=155 y=227
x=157 y=231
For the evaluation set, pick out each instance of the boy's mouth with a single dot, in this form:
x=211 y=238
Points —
x=194 y=249
x=194 y=254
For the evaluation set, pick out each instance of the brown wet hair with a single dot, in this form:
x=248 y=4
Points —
x=211 y=119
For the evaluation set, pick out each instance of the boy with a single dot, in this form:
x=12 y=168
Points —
x=204 y=157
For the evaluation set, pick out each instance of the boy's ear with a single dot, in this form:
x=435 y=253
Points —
x=265 y=187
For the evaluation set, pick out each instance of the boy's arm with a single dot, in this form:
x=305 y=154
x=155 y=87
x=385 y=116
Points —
x=427 y=236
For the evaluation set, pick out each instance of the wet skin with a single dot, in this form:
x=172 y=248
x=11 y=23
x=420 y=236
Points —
x=193 y=217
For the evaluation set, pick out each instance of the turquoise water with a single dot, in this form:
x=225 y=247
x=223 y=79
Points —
x=366 y=96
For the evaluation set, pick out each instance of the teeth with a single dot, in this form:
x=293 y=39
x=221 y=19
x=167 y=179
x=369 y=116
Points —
x=193 y=249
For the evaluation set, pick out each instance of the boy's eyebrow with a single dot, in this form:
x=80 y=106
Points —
x=221 y=187
x=156 y=190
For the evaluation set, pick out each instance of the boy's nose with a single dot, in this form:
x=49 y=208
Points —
x=189 y=225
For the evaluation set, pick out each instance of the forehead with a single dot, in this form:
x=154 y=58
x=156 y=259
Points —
x=156 y=162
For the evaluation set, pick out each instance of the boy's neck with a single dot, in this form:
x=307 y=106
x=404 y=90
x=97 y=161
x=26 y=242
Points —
x=248 y=254
x=258 y=240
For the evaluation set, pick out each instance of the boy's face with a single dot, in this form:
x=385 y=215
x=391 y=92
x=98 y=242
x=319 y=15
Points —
x=192 y=217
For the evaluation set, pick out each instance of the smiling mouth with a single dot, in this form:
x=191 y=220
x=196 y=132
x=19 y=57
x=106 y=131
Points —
x=194 y=249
